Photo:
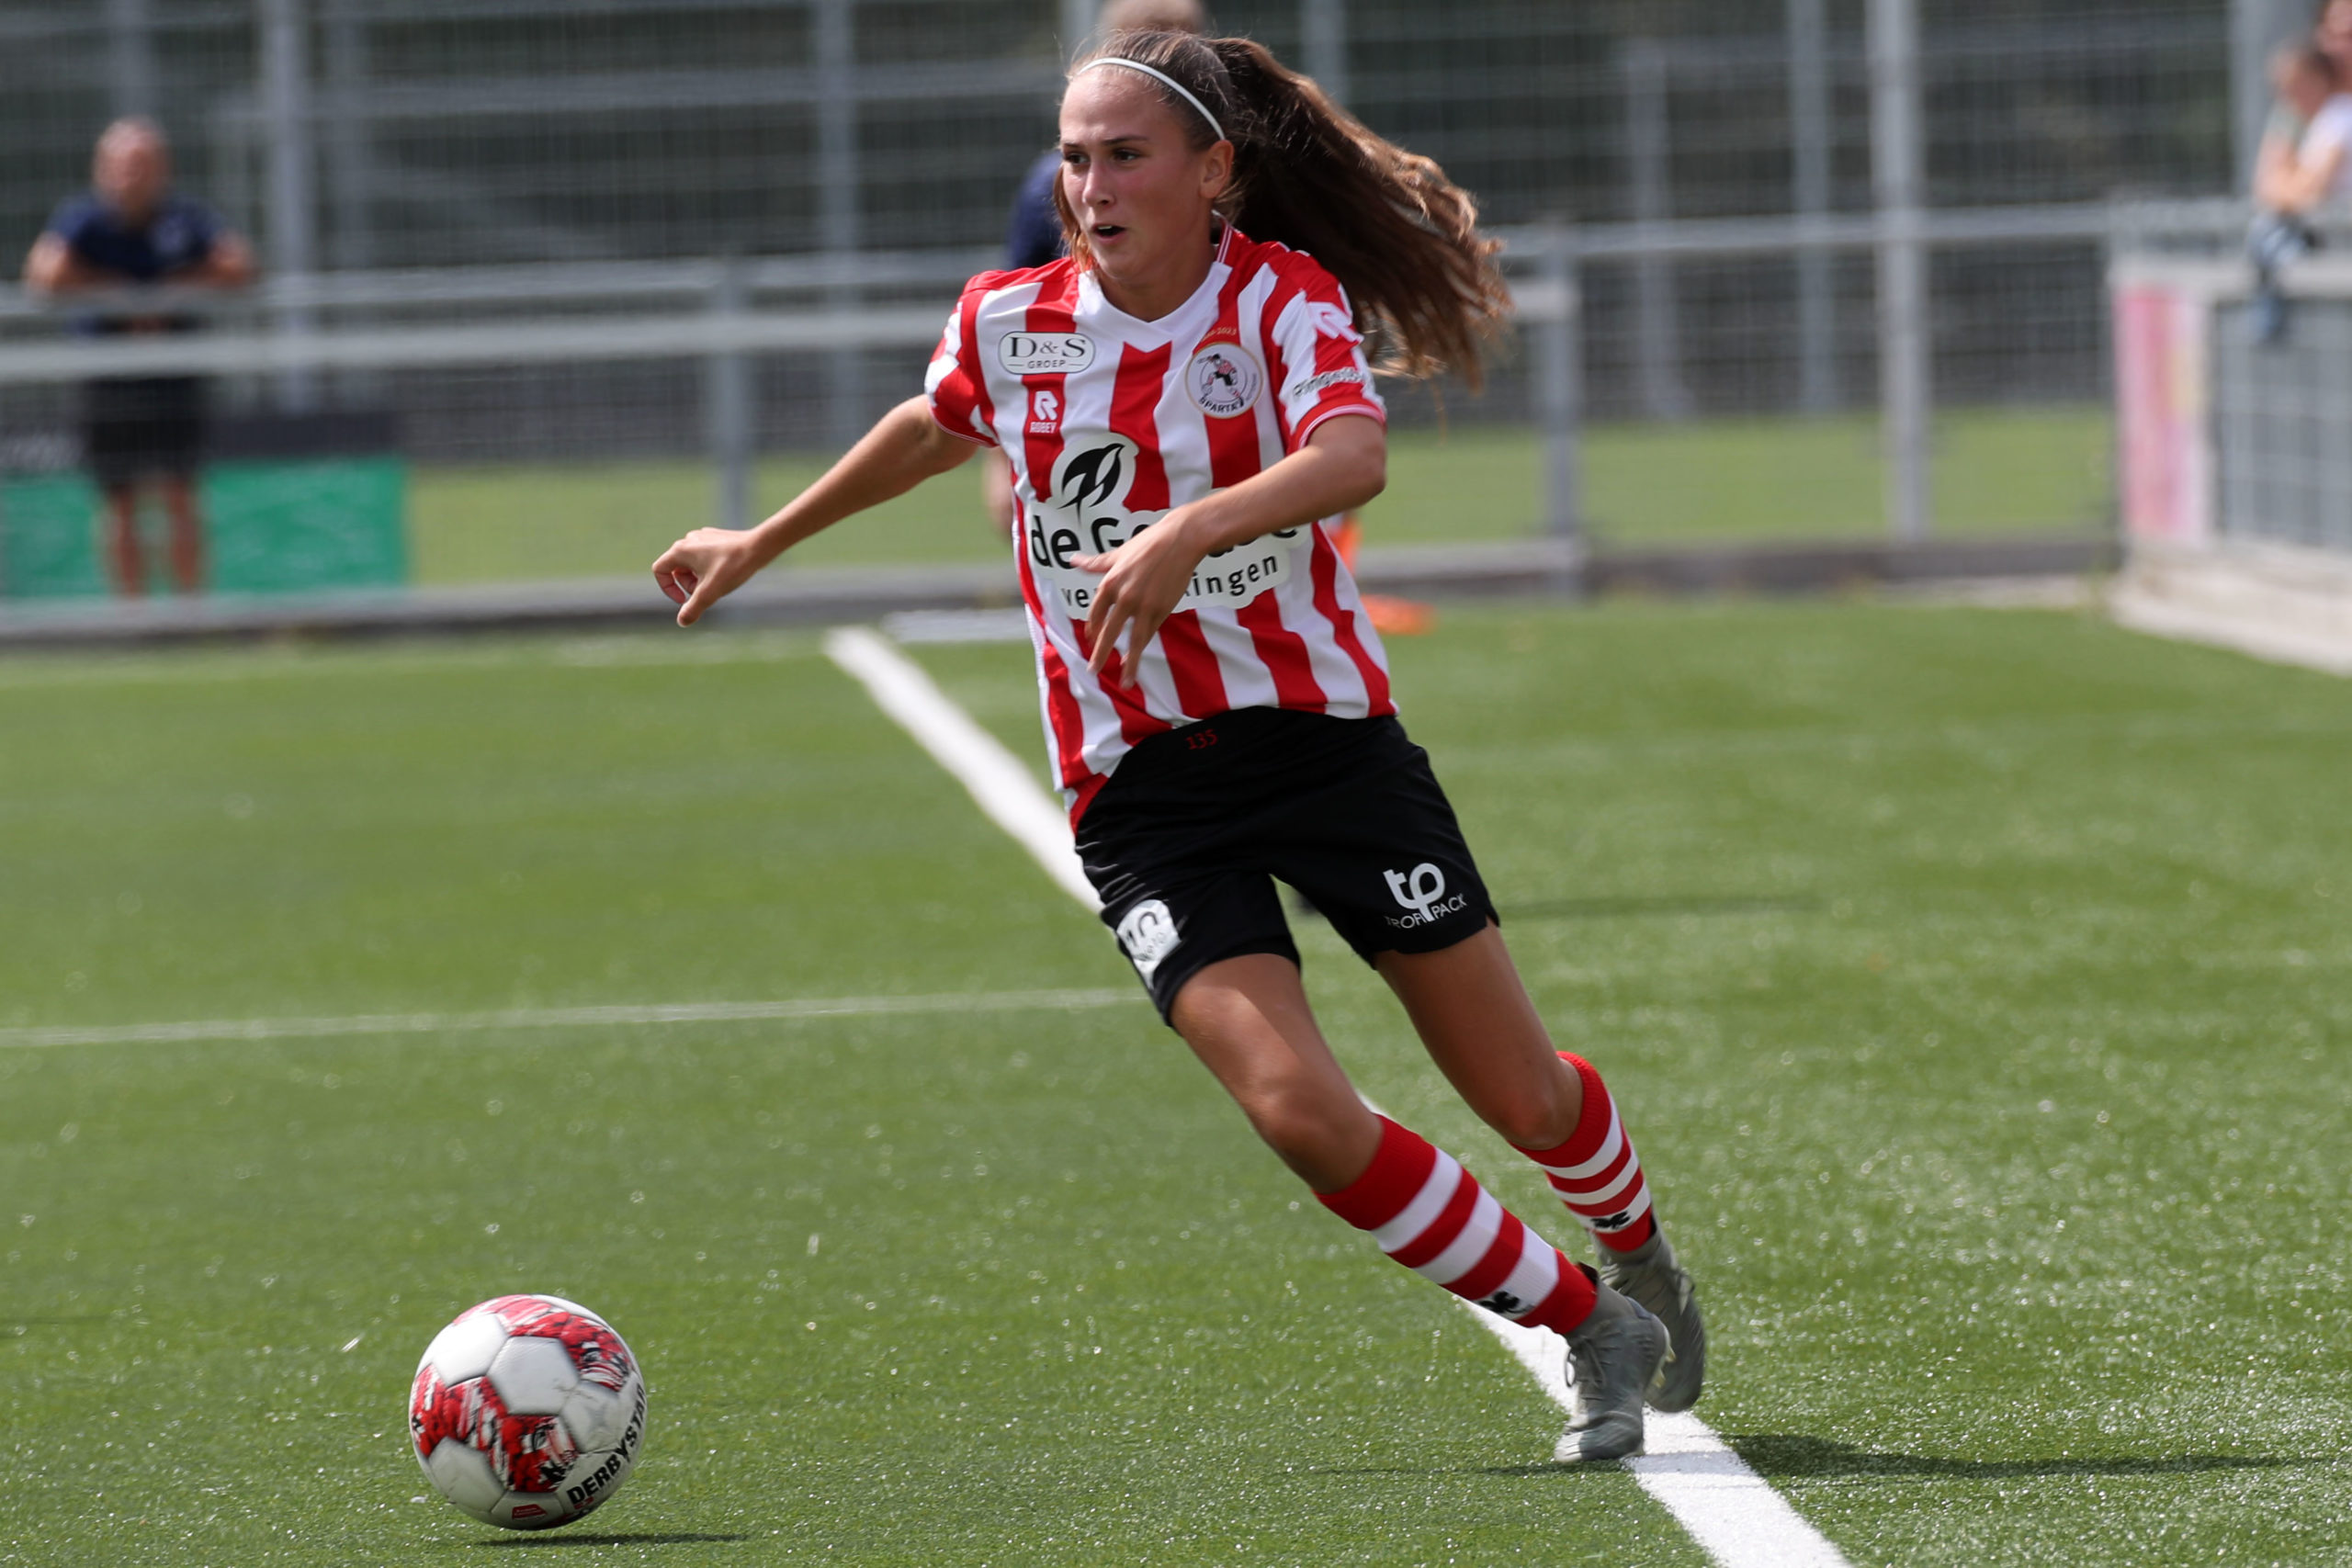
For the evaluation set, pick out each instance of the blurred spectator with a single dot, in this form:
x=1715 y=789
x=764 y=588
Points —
x=130 y=229
x=2333 y=34
x=2303 y=165
x=1035 y=236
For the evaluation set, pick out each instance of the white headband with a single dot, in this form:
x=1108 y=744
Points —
x=1182 y=91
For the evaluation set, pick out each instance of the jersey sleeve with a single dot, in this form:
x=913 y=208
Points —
x=957 y=395
x=1319 y=367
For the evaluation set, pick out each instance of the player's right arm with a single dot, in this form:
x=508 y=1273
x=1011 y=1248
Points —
x=906 y=447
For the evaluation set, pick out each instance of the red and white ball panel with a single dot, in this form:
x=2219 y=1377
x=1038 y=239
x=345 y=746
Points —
x=527 y=1412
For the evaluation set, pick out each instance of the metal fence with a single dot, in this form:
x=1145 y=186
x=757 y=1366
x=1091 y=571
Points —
x=706 y=227
x=2281 y=412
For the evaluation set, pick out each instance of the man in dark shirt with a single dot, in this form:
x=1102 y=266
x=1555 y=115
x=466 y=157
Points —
x=1034 y=235
x=131 y=229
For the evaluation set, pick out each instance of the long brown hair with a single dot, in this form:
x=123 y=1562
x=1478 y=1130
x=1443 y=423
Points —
x=1401 y=238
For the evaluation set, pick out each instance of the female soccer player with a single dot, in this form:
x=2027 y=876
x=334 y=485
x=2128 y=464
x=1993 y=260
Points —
x=1187 y=405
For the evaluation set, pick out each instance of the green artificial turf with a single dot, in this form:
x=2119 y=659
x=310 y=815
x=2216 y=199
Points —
x=1972 y=981
x=1999 y=470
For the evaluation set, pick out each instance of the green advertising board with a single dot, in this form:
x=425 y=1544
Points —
x=271 y=526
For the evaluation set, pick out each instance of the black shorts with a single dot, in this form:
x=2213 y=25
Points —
x=1185 y=843
x=134 y=428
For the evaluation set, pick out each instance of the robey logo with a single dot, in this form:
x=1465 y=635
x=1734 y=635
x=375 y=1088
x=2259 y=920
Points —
x=1223 y=380
x=1043 y=353
x=1045 y=412
x=1149 y=933
x=1332 y=320
x=1422 y=893
x=1088 y=515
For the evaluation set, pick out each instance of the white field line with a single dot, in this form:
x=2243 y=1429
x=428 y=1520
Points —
x=995 y=778
x=553 y=1018
x=1729 y=1509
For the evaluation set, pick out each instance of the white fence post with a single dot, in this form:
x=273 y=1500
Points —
x=130 y=58
x=837 y=202
x=1904 y=346
x=1559 y=393
x=350 y=153
x=1078 y=26
x=1657 y=331
x=727 y=404
x=293 y=194
x=1809 y=160
x=1323 y=44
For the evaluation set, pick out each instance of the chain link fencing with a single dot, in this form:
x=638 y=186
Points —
x=668 y=255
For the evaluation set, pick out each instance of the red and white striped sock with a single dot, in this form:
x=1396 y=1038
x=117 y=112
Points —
x=1596 y=1172
x=1431 y=1215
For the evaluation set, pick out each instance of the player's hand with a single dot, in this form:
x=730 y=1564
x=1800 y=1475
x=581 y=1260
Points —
x=703 y=568
x=1142 y=581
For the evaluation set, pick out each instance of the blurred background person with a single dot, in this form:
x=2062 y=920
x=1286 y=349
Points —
x=131 y=229
x=1034 y=235
x=2333 y=34
x=2301 y=165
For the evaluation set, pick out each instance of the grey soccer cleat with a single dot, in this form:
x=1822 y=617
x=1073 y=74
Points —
x=1653 y=1276
x=1616 y=1354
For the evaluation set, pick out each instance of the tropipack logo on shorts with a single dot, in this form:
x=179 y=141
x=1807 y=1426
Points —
x=1223 y=380
x=1149 y=933
x=1422 y=893
x=1043 y=353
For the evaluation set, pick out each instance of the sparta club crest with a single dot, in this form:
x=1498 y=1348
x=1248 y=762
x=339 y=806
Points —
x=1223 y=380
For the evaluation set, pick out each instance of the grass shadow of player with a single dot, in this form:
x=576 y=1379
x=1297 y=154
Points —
x=1621 y=909
x=1614 y=908
x=1426 y=1472
x=1792 y=1456
x=646 y=1538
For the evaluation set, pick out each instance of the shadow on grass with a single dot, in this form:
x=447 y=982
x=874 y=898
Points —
x=1540 y=1467
x=1789 y=1455
x=1612 y=908
x=650 y=1538
x=1785 y=1456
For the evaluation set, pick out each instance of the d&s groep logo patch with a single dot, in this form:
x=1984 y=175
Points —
x=1224 y=379
x=1043 y=353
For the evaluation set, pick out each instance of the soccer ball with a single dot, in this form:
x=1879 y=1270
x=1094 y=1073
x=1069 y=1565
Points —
x=527 y=1412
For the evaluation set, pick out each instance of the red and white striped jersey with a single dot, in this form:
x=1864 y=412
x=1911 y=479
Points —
x=1110 y=423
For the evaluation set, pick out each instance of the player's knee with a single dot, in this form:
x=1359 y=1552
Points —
x=1298 y=1127
x=1543 y=1119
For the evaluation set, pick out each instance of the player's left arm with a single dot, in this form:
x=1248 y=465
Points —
x=1343 y=465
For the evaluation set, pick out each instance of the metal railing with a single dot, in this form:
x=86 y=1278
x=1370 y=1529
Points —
x=721 y=312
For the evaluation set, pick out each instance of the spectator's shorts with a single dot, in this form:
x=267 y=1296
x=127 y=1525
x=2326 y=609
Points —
x=133 y=429
x=1186 y=841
